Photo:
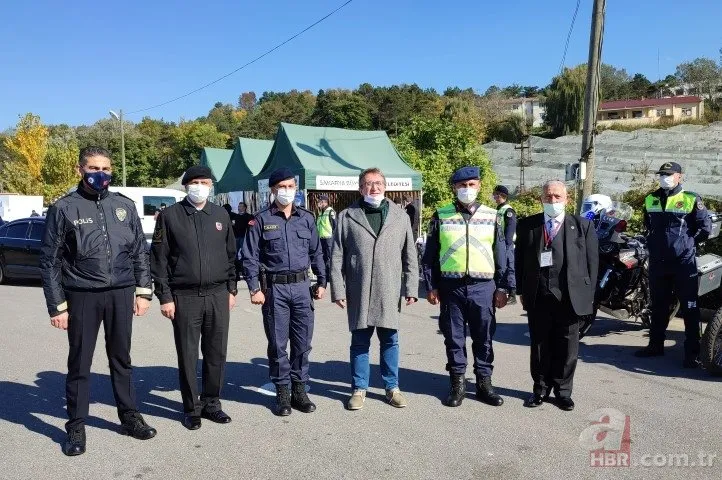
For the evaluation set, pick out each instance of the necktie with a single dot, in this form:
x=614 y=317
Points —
x=552 y=229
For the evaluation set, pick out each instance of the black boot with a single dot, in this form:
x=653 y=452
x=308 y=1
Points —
x=458 y=390
x=650 y=351
x=485 y=392
x=134 y=425
x=75 y=443
x=299 y=398
x=512 y=297
x=283 y=401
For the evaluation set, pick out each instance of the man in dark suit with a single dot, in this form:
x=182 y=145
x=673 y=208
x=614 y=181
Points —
x=557 y=259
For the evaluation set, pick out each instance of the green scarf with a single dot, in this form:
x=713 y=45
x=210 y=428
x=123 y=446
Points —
x=376 y=216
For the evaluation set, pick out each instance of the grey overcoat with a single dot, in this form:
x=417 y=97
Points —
x=373 y=273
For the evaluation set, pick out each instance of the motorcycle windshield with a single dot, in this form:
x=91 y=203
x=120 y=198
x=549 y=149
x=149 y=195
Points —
x=609 y=218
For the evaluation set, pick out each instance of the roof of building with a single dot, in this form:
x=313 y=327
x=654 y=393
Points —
x=648 y=102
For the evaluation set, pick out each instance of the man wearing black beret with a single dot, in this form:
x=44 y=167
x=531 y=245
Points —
x=192 y=263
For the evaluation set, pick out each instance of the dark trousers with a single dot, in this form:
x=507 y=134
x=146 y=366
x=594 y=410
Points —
x=326 y=247
x=510 y=266
x=288 y=315
x=469 y=306
x=663 y=287
x=554 y=334
x=114 y=308
x=203 y=319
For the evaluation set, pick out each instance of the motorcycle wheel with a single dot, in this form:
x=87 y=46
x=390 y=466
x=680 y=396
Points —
x=586 y=323
x=711 y=345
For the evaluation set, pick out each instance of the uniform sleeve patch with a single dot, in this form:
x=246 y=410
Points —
x=270 y=226
x=509 y=214
x=700 y=204
x=158 y=235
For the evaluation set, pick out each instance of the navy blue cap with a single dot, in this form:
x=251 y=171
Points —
x=197 y=171
x=465 y=173
x=279 y=175
x=670 y=168
x=501 y=189
x=323 y=196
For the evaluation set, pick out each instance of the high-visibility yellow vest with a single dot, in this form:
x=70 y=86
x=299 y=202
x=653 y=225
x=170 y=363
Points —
x=681 y=202
x=467 y=248
x=501 y=221
x=323 y=224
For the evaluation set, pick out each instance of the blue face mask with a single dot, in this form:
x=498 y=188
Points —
x=98 y=181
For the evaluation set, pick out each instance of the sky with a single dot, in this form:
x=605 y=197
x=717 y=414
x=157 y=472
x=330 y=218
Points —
x=71 y=62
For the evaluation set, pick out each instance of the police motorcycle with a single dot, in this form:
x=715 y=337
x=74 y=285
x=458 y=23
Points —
x=623 y=284
x=709 y=267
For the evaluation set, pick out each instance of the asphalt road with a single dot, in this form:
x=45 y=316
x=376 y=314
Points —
x=670 y=411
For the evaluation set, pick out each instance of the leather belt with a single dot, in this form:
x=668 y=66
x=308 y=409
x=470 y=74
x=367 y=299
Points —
x=285 y=278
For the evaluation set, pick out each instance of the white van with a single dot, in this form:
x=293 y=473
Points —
x=148 y=201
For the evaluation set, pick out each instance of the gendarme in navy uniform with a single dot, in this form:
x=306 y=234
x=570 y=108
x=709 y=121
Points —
x=193 y=265
x=280 y=245
x=677 y=221
x=94 y=265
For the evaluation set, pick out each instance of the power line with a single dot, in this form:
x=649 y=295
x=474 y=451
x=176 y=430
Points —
x=268 y=52
x=569 y=36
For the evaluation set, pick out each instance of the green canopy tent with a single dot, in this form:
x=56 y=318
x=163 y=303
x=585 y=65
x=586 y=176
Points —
x=248 y=157
x=329 y=160
x=216 y=159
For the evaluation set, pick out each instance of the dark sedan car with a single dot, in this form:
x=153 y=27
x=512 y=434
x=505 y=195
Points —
x=20 y=242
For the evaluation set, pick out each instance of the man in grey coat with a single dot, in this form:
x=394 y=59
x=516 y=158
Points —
x=374 y=265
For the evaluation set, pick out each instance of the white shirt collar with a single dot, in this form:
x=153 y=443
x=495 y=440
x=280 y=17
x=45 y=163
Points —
x=558 y=219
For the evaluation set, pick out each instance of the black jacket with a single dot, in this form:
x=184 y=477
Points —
x=581 y=257
x=92 y=242
x=193 y=251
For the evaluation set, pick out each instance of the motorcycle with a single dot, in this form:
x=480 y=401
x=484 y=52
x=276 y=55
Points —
x=623 y=284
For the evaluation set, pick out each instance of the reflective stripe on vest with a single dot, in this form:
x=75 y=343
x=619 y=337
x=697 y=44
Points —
x=681 y=202
x=323 y=224
x=467 y=248
x=501 y=221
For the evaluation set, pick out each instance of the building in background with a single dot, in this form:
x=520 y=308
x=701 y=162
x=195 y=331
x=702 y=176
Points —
x=532 y=107
x=651 y=110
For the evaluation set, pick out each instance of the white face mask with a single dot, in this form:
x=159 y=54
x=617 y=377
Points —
x=285 y=195
x=467 y=195
x=374 y=200
x=667 y=182
x=554 y=209
x=198 y=193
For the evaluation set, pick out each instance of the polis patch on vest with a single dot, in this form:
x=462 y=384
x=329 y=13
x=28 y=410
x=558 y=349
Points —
x=121 y=213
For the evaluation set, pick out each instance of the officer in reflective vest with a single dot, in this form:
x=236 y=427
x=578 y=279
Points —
x=506 y=235
x=325 y=224
x=462 y=274
x=676 y=222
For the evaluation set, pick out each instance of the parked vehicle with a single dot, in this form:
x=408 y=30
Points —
x=148 y=202
x=20 y=242
x=13 y=206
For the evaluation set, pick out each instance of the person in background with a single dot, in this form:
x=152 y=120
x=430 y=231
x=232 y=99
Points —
x=325 y=224
x=506 y=234
x=408 y=205
x=34 y=214
x=241 y=222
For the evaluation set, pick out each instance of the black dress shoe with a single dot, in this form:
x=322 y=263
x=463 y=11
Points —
x=565 y=403
x=534 y=401
x=650 y=351
x=134 y=425
x=218 y=416
x=690 y=362
x=75 y=442
x=192 y=422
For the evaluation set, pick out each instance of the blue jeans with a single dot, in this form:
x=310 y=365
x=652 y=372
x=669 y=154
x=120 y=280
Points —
x=360 y=370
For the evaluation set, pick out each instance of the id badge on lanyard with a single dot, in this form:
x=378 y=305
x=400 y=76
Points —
x=545 y=259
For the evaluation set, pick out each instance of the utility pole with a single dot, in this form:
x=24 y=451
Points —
x=122 y=139
x=591 y=103
x=524 y=144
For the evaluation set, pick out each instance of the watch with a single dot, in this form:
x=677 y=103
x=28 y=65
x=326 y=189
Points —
x=255 y=291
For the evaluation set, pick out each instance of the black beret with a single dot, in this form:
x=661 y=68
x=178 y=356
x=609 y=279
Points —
x=323 y=196
x=501 y=189
x=280 y=175
x=197 y=171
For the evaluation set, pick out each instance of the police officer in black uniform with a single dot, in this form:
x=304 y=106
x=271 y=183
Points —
x=193 y=265
x=281 y=243
x=94 y=265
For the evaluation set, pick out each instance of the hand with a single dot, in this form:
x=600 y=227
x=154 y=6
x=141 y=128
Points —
x=320 y=291
x=500 y=299
x=433 y=297
x=168 y=310
x=411 y=300
x=341 y=303
x=60 y=321
x=231 y=301
x=141 y=306
x=258 y=298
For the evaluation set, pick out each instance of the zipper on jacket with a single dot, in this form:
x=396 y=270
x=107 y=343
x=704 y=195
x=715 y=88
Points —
x=467 y=244
x=104 y=226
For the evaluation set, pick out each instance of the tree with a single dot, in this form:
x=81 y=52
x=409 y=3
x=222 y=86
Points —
x=640 y=87
x=224 y=117
x=59 y=167
x=393 y=108
x=512 y=91
x=26 y=149
x=565 y=101
x=247 y=101
x=530 y=91
x=437 y=147
x=509 y=129
x=613 y=83
x=189 y=139
x=492 y=90
x=275 y=107
x=342 y=109
x=701 y=73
